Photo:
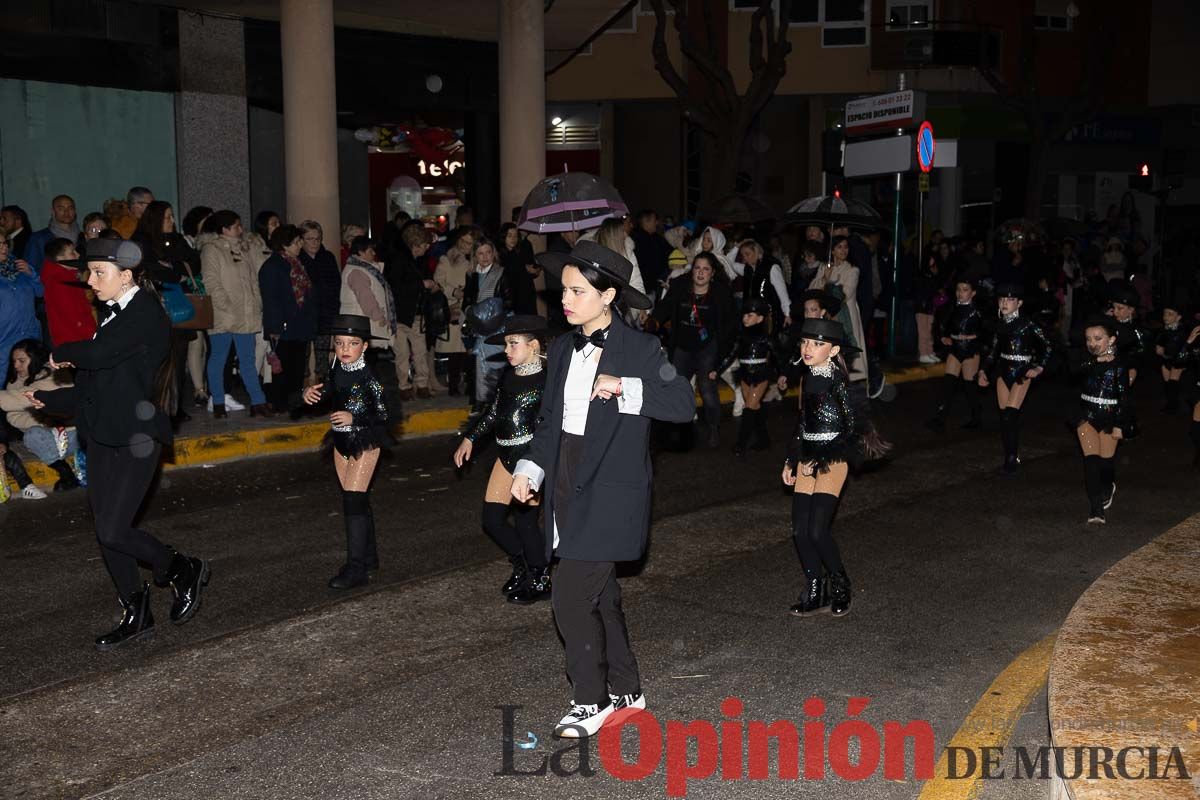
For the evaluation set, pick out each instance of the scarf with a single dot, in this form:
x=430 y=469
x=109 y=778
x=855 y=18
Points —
x=301 y=283
x=377 y=276
x=64 y=231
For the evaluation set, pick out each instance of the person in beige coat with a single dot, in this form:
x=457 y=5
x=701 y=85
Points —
x=840 y=279
x=231 y=277
x=451 y=275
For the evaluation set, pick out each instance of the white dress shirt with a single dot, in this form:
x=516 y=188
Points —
x=120 y=302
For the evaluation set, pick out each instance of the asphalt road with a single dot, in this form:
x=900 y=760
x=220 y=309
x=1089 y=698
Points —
x=282 y=688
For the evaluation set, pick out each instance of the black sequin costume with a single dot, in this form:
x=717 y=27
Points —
x=1173 y=341
x=352 y=388
x=1131 y=344
x=964 y=320
x=1018 y=346
x=1104 y=401
x=514 y=413
x=825 y=432
x=757 y=354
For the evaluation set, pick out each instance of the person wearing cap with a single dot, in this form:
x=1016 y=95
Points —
x=1104 y=415
x=1018 y=354
x=699 y=311
x=1132 y=341
x=825 y=440
x=512 y=417
x=961 y=331
x=120 y=402
x=590 y=459
x=358 y=429
x=1168 y=346
x=760 y=360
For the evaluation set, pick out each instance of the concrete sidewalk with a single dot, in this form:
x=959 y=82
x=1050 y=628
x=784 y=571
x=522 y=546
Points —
x=207 y=441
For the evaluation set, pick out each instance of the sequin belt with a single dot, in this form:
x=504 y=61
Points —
x=1100 y=401
x=752 y=360
x=342 y=428
x=1011 y=357
x=515 y=441
x=827 y=436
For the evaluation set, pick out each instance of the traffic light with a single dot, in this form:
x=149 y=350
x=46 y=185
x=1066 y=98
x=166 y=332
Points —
x=1142 y=180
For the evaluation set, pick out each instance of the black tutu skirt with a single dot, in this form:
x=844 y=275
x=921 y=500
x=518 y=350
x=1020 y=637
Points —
x=1102 y=420
x=356 y=441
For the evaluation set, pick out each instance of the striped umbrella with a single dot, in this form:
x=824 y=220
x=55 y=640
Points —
x=572 y=201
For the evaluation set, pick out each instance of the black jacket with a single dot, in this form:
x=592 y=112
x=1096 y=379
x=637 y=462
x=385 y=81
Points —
x=113 y=399
x=719 y=313
x=282 y=317
x=327 y=278
x=407 y=279
x=609 y=518
x=524 y=292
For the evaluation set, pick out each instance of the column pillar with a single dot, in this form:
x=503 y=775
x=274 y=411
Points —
x=310 y=114
x=522 y=57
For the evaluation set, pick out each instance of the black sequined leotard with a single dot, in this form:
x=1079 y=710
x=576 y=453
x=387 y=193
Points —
x=1131 y=344
x=825 y=431
x=352 y=387
x=1172 y=341
x=964 y=320
x=514 y=413
x=1104 y=401
x=1018 y=346
x=757 y=355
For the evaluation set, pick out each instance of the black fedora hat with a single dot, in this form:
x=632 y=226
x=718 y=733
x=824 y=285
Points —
x=756 y=305
x=351 y=325
x=828 y=302
x=825 y=330
x=519 y=323
x=1014 y=290
x=614 y=266
x=125 y=254
x=1102 y=321
x=1124 y=294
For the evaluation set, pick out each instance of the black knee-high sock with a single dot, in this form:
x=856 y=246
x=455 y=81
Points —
x=533 y=540
x=1194 y=435
x=950 y=385
x=820 y=531
x=1006 y=432
x=971 y=390
x=1093 y=481
x=810 y=557
x=495 y=523
x=372 y=548
x=356 y=509
x=1016 y=431
x=1108 y=475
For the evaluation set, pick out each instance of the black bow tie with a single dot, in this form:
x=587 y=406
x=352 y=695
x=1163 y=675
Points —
x=596 y=339
x=113 y=310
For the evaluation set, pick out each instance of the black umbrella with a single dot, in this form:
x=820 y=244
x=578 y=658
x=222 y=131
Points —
x=572 y=201
x=833 y=210
x=737 y=209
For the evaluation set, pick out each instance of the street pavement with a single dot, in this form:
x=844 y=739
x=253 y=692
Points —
x=282 y=688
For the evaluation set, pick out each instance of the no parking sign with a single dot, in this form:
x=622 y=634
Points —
x=926 y=145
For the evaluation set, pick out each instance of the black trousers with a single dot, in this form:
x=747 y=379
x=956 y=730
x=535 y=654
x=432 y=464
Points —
x=587 y=609
x=698 y=364
x=294 y=358
x=118 y=480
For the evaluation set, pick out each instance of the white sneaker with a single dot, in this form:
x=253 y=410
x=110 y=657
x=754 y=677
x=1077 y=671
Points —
x=1111 y=495
x=739 y=402
x=32 y=492
x=930 y=359
x=635 y=700
x=582 y=721
x=233 y=405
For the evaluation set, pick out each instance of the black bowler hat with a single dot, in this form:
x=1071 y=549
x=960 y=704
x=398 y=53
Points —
x=1102 y=321
x=1013 y=290
x=351 y=325
x=756 y=305
x=826 y=330
x=614 y=266
x=828 y=302
x=519 y=323
x=1124 y=294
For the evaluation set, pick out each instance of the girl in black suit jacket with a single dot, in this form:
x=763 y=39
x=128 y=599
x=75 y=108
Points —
x=122 y=388
x=590 y=456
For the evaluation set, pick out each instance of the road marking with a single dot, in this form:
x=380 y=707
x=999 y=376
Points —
x=993 y=719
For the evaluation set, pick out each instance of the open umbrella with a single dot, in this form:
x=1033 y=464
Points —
x=833 y=210
x=737 y=209
x=572 y=201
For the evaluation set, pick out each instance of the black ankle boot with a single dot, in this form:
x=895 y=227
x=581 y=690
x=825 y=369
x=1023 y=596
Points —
x=813 y=598
x=354 y=572
x=761 y=440
x=839 y=594
x=136 y=623
x=186 y=577
x=519 y=574
x=537 y=587
x=746 y=425
x=66 y=476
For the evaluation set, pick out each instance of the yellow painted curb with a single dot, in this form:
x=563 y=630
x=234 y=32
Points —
x=993 y=719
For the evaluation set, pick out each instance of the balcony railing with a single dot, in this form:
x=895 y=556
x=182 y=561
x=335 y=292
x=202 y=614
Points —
x=935 y=44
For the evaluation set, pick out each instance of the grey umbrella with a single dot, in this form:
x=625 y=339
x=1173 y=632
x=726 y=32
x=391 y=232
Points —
x=833 y=210
x=572 y=201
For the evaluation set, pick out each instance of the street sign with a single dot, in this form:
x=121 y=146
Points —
x=926 y=145
x=923 y=182
x=884 y=111
x=885 y=156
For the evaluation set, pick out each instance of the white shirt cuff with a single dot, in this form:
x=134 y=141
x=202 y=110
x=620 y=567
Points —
x=532 y=471
x=630 y=399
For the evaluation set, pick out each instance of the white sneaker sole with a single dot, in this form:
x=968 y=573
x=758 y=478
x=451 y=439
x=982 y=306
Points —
x=1109 y=501
x=584 y=728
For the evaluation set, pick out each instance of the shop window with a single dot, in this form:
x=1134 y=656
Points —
x=845 y=22
x=1052 y=15
x=906 y=14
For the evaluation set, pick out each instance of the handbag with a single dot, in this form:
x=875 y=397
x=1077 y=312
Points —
x=177 y=305
x=201 y=303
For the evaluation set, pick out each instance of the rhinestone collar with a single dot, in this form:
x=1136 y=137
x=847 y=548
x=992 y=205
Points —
x=532 y=368
x=1173 y=327
x=823 y=371
x=1010 y=317
x=355 y=366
